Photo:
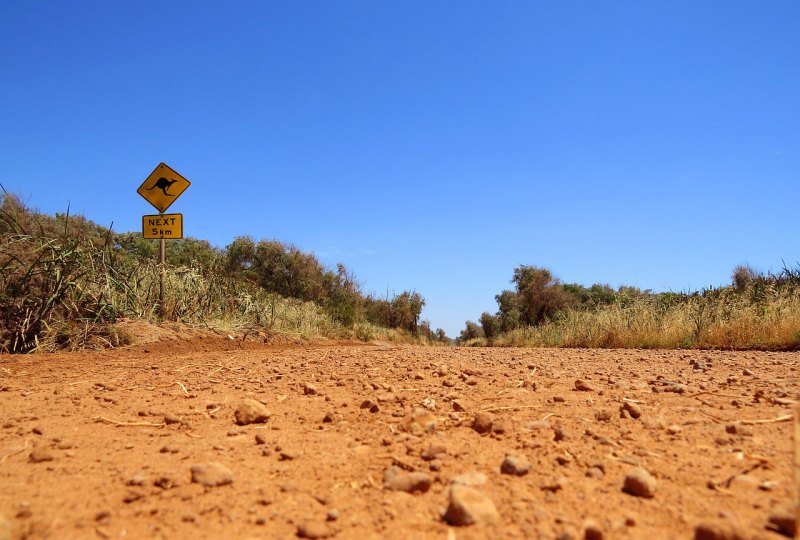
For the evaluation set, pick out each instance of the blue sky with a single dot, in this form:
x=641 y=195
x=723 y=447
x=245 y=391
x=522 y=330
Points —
x=428 y=145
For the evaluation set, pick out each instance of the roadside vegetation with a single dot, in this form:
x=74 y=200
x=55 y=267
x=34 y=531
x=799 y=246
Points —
x=755 y=311
x=65 y=281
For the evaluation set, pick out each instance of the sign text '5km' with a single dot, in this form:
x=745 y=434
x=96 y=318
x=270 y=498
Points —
x=167 y=226
x=162 y=187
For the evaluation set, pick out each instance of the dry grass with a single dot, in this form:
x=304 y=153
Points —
x=61 y=288
x=765 y=316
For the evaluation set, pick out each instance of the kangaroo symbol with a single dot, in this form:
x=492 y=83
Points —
x=163 y=184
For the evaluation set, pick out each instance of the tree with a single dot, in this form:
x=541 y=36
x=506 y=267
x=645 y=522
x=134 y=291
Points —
x=540 y=294
x=471 y=331
x=406 y=309
x=490 y=325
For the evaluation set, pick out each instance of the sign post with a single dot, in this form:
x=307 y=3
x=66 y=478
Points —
x=161 y=189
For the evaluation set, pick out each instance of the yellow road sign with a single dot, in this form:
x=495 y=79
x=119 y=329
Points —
x=167 y=226
x=162 y=187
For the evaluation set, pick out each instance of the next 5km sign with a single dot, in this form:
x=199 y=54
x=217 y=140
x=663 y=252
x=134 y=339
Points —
x=169 y=226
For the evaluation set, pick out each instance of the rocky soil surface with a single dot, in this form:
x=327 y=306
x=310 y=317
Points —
x=206 y=440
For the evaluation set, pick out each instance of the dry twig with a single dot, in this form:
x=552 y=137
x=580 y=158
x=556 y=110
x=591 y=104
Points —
x=185 y=391
x=784 y=418
x=127 y=424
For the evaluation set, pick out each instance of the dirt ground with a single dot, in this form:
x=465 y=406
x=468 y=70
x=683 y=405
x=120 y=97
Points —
x=365 y=441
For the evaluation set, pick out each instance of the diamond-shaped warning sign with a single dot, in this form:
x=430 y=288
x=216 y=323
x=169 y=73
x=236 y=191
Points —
x=162 y=187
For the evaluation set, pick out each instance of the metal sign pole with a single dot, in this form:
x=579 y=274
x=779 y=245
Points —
x=162 y=270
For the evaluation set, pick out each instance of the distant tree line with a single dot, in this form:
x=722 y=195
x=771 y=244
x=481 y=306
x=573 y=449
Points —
x=283 y=269
x=539 y=296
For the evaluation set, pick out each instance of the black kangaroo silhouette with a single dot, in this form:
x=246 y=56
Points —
x=163 y=184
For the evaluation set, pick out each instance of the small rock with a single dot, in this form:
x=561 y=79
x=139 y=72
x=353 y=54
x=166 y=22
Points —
x=434 y=451
x=583 y=386
x=370 y=405
x=418 y=422
x=138 y=479
x=471 y=479
x=482 y=423
x=211 y=474
x=632 y=409
x=561 y=434
x=260 y=439
x=313 y=530
x=716 y=530
x=132 y=496
x=534 y=425
x=329 y=418
x=594 y=472
x=170 y=419
x=602 y=415
x=396 y=479
x=40 y=455
x=783 y=521
x=639 y=483
x=674 y=429
x=515 y=465
x=501 y=426
x=468 y=506
x=592 y=530
x=309 y=389
x=555 y=484
x=559 y=399
x=739 y=429
x=458 y=406
x=250 y=411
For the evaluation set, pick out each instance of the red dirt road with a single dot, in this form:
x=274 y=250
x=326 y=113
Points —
x=102 y=445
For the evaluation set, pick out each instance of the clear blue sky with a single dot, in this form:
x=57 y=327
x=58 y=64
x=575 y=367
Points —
x=428 y=145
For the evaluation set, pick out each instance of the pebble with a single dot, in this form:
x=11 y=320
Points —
x=309 y=389
x=739 y=429
x=783 y=521
x=632 y=409
x=434 y=451
x=370 y=405
x=329 y=418
x=132 y=496
x=313 y=529
x=260 y=439
x=639 y=483
x=538 y=424
x=138 y=479
x=250 y=411
x=458 y=406
x=396 y=479
x=594 y=472
x=170 y=419
x=211 y=474
x=40 y=455
x=501 y=426
x=716 y=530
x=583 y=386
x=468 y=506
x=602 y=415
x=471 y=478
x=592 y=530
x=515 y=465
x=418 y=422
x=482 y=423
